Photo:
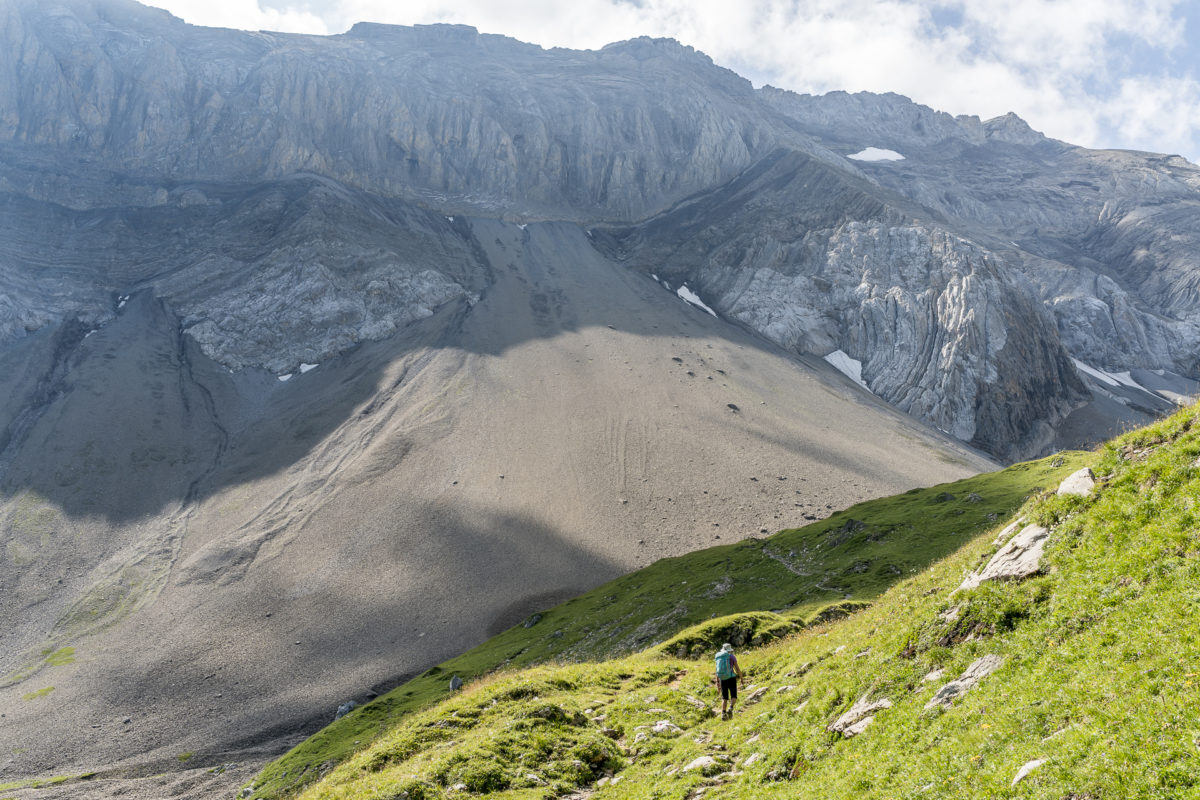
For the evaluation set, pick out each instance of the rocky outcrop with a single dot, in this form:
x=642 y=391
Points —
x=1020 y=558
x=805 y=256
x=1079 y=484
x=860 y=715
x=979 y=669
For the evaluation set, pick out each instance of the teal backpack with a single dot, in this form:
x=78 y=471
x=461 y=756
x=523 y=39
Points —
x=725 y=665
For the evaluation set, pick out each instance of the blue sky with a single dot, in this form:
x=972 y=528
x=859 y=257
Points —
x=1099 y=73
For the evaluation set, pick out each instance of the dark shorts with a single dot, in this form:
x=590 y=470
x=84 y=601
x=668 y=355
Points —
x=729 y=688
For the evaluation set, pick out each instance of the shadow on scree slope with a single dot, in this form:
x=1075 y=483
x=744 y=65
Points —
x=132 y=419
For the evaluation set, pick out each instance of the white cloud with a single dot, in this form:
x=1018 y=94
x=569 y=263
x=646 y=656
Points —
x=244 y=14
x=1063 y=65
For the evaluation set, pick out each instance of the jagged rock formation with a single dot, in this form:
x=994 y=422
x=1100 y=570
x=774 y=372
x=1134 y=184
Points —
x=926 y=270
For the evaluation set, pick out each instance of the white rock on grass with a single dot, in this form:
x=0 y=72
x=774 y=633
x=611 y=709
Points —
x=665 y=726
x=1027 y=768
x=860 y=715
x=755 y=696
x=704 y=763
x=1020 y=558
x=1078 y=483
x=979 y=669
x=751 y=759
x=1008 y=531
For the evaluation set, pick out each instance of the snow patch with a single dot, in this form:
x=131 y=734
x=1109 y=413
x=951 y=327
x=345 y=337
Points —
x=306 y=367
x=450 y=219
x=691 y=297
x=850 y=367
x=284 y=378
x=1111 y=378
x=523 y=226
x=876 y=154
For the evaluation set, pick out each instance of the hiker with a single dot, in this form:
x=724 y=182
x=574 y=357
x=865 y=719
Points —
x=728 y=673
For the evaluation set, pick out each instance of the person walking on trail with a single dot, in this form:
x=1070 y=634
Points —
x=728 y=673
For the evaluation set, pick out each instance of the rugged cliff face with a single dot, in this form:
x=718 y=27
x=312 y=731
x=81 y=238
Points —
x=1107 y=240
x=815 y=261
x=291 y=196
x=440 y=113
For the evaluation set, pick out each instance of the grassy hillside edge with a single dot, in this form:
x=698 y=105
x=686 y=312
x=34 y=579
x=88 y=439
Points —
x=750 y=593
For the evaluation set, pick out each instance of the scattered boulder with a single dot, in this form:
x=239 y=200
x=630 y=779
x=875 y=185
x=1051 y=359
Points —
x=860 y=715
x=752 y=758
x=1026 y=768
x=979 y=669
x=665 y=726
x=533 y=620
x=1078 y=483
x=455 y=683
x=933 y=675
x=707 y=765
x=345 y=708
x=755 y=696
x=1020 y=558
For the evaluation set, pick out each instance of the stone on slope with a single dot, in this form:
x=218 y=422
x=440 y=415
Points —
x=755 y=696
x=1020 y=558
x=1026 y=768
x=706 y=764
x=860 y=715
x=1078 y=483
x=979 y=669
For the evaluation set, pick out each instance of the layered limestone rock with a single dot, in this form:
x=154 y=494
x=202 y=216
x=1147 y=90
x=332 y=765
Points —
x=138 y=153
x=1107 y=240
x=804 y=255
x=436 y=112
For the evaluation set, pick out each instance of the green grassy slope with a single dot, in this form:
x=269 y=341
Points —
x=1100 y=659
x=749 y=593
